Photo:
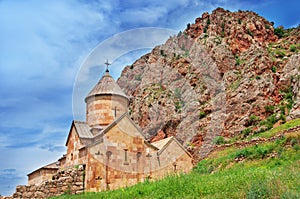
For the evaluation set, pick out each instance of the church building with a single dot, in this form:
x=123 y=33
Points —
x=112 y=148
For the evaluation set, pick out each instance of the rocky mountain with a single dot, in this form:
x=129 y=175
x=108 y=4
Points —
x=230 y=74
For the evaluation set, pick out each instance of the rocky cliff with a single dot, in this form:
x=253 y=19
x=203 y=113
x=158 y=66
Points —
x=228 y=74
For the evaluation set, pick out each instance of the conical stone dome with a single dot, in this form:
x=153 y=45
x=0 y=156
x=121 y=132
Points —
x=106 y=86
x=105 y=102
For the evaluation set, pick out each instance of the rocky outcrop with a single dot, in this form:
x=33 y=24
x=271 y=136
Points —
x=240 y=29
x=291 y=76
x=70 y=181
x=226 y=72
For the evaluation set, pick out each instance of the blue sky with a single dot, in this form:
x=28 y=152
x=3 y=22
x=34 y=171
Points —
x=43 y=45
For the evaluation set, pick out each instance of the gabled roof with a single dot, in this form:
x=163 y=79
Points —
x=51 y=166
x=161 y=143
x=164 y=143
x=106 y=86
x=118 y=120
x=83 y=130
x=111 y=125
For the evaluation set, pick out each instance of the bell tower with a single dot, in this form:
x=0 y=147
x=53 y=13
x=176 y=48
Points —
x=105 y=102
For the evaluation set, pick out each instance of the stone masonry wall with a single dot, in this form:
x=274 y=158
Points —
x=64 y=181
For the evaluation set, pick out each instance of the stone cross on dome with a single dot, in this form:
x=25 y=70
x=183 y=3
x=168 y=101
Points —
x=107 y=64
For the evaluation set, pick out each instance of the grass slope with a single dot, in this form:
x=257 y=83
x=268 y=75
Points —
x=268 y=170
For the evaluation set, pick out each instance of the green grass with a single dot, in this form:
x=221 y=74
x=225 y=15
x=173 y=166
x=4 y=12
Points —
x=259 y=174
x=267 y=133
x=278 y=129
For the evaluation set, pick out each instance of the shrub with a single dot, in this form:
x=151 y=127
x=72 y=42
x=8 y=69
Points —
x=282 y=109
x=253 y=119
x=293 y=48
x=202 y=167
x=179 y=34
x=261 y=129
x=177 y=107
x=269 y=109
x=258 y=190
x=279 y=32
x=288 y=94
x=202 y=114
x=279 y=53
x=210 y=169
x=290 y=104
x=261 y=152
x=219 y=140
x=296 y=147
x=273 y=69
x=249 y=32
x=162 y=53
x=237 y=61
x=186 y=53
x=188 y=26
x=223 y=26
x=246 y=132
x=271 y=121
x=138 y=77
x=282 y=118
x=289 y=195
x=208 y=21
x=206 y=26
x=242 y=153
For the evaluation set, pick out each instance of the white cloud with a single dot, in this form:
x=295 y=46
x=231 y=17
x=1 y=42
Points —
x=40 y=41
x=144 y=15
x=20 y=163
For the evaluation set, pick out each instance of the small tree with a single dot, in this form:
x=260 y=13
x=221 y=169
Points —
x=219 y=140
x=188 y=26
x=279 y=32
x=269 y=109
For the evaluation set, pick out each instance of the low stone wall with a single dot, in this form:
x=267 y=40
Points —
x=69 y=181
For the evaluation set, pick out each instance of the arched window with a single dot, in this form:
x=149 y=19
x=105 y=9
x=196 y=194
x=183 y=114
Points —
x=175 y=166
x=126 y=156
x=138 y=155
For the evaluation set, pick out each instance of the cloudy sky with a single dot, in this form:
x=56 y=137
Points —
x=44 y=46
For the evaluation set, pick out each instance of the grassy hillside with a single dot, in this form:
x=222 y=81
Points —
x=267 y=170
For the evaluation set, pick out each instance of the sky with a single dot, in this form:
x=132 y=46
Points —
x=52 y=53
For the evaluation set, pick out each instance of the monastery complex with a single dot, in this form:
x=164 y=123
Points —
x=111 y=148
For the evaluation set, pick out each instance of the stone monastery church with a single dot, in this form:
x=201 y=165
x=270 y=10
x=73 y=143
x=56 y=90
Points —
x=111 y=148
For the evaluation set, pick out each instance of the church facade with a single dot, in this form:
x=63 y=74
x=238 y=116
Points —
x=112 y=148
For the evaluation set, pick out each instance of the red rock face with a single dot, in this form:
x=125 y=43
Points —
x=212 y=77
x=241 y=29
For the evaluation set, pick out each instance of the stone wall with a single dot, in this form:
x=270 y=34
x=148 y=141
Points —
x=103 y=110
x=69 y=181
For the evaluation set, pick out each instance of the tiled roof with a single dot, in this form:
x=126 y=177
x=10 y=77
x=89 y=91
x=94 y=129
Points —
x=106 y=85
x=161 y=143
x=83 y=130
